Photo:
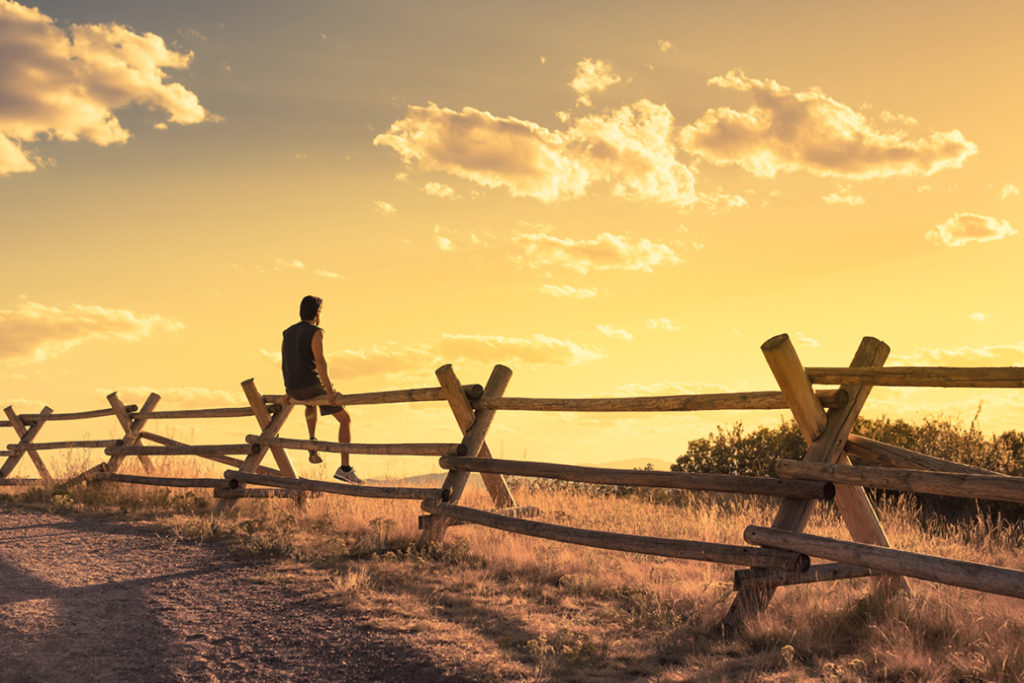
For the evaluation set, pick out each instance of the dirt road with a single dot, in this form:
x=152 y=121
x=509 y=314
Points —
x=91 y=600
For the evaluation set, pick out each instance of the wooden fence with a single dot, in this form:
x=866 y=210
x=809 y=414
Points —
x=770 y=557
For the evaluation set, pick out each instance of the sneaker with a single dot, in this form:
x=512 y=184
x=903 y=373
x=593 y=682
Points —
x=314 y=456
x=348 y=474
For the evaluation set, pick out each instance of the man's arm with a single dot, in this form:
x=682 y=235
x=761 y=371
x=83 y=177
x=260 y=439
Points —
x=321 y=362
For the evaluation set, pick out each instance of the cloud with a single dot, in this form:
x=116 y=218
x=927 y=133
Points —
x=977 y=317
x=614 y=332
x=537 y=349
x=295 y=264
x=384 y=208
x=998 y=355
x=439 y=190
x=34 y=332
x=964 y=228
x=568 y=291
x=592 y=76
x=664 y=45
x=844 y=197
x=631 y=149
x=1009 y=190
x=604 y=252
x=66 y=84
x=791 y=131
x=662 y=324
x=804 y=340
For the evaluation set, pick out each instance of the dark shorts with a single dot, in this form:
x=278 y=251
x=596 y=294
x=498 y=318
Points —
x=312 y=392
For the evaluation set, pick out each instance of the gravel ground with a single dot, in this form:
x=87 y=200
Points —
x=82 y=599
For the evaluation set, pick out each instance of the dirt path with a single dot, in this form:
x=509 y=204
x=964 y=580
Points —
x=83 y=599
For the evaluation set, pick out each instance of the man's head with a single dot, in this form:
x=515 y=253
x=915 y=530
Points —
x=309 y=309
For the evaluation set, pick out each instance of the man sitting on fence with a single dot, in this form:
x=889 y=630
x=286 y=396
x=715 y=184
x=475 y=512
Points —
x=305 y=377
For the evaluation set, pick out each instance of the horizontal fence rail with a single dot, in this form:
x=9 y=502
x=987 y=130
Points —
x=31 y=418
x=955 y=484
x=212 y=449
x=234 y=478
x=992 y=378
x=750 y=400
x=727 y=483
x=362 y=448
x=816 y=573
x=57 y=445
x=178 y=482
x=887 y=455
x=664 y=547
x=193 y=413
x=939 y=569
x=472 y=391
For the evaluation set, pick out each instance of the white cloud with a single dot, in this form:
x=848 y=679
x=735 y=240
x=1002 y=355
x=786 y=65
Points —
x=592 y=76
x=326 y=273
x=66 y=83
x=604 y=252
x=537 y=349
x=568 y=291
x=1009 y=190
x=977 y=317
x=294 y=264
x=997 y=355
x=964 y=228
x=664 y=45
x=804 y=340
x=384 y=208
x=662 y=324
x=172 y=398
x=614 y=332
x=631 y=150
x=34 y=332
x=443 y=243
x=844 y=197
x=439 y=190
x=789 y=131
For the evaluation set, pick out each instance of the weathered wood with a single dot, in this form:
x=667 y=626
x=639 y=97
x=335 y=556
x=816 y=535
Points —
x=83 y=477
x=234 y=494
x=663 y=547
x=31 y=418
x=132 y=428
x=467 y=417
x=887 y=455
x=759 y=578
x=198 y=412
x=362 y=448
x=749 y=400
x=956 y=484
x=471 y=392
x=21 y=481
x=57 y=445
x=971 y=575
x=270 y=426
x=825 y=445
x=763 y=486
x=522 y=512
x=179 y=482
x=222 y=459
x=211 y=449
x=358 y=490
x=921 y=377
x=27 y=434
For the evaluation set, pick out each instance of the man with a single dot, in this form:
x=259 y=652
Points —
x=305 y=377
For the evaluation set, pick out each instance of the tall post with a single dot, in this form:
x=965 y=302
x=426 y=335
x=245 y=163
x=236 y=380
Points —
x=474 y=426
x=826 y=435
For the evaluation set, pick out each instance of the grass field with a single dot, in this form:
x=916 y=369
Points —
x=514 y=607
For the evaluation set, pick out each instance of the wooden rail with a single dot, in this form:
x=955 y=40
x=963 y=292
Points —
x=1006 y=378
x=664 y=547
x=472 y=391
x=31 y=418
x=218 y=449
x=752 y=578
x=181 y=482
x=57 y=445
x=750 y=400
x=939 y=569
x=887 y=455
x=361 y=491
x=763 y=486
x=363 y=448
x=981 y=486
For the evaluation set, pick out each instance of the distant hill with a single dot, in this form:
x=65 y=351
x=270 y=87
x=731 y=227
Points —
x=633 y=464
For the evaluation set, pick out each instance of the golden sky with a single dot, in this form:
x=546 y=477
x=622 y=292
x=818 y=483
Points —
x=610 y=199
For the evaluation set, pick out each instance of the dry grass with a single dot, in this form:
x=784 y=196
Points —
x=513 y=607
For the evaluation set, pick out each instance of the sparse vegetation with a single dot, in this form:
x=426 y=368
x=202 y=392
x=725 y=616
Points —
x=522 y=608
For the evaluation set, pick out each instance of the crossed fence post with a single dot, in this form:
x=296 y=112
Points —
x=27 y=435
x=826 y=434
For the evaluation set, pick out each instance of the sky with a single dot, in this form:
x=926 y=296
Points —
x=610 y=199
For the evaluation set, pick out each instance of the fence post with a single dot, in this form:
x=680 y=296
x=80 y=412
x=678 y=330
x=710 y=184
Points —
x=27 y=434
x=121 y=413
x=474 y=426
x=826 y=435
x=132 y=427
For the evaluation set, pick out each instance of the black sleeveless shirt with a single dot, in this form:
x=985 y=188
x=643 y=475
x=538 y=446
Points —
x=297 y=363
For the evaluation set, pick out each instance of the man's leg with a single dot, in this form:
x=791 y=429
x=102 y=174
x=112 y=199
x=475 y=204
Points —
x=314 y=457
x=345 y=472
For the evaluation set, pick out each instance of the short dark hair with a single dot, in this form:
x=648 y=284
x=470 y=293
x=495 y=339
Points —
x=309 y=307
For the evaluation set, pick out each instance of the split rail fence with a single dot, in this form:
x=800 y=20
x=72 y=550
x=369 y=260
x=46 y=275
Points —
x=770 y=558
